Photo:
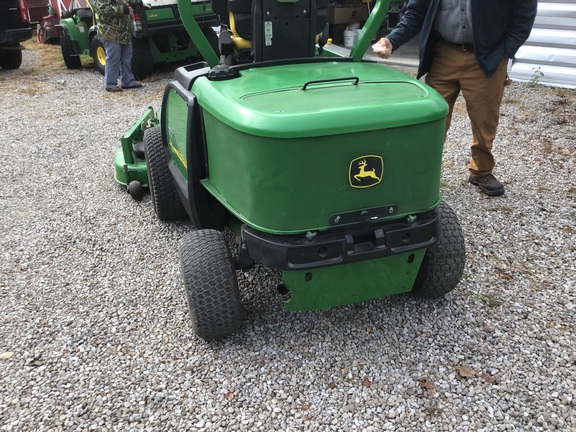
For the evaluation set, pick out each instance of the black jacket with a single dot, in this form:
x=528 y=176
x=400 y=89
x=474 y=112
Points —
x=500 y=28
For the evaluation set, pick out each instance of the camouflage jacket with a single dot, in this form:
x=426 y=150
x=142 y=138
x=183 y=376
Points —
x=113 y=24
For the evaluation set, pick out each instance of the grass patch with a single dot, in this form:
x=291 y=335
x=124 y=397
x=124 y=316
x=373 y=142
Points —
x=488 y=299
x=49 y=55
x=567 y=229
x=567 y=94
x=511 y=101
x=448 y=164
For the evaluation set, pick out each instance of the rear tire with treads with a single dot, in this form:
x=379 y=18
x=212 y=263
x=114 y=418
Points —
x=165 y=199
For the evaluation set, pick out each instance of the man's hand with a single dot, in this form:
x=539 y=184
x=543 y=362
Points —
x=382 y=48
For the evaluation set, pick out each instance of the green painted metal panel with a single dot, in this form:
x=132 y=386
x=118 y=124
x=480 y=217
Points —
x=125 y=173
x=327 y=51
x=280 y=101
x=176 y=126
x=319 y=96
x=159 y=14
x=283 y=160
x=201 y=9
x=78 y=32
x=295 y=185
x=126 y=167
x=349 y=283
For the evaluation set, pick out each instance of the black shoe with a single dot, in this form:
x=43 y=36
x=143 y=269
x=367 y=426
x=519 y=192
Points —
x=113 y=89
x=488 y=184
x=135 y=86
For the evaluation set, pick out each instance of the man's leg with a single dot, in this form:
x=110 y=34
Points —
x=126 y=76
x=112 y=68
x=444 y=75
x=483 y=96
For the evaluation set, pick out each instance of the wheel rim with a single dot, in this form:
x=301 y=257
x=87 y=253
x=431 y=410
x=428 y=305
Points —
x=101 y=55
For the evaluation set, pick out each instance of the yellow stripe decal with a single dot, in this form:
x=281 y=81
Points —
x=177 y=153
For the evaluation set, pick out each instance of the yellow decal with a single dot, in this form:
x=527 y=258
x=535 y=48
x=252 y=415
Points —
x=177 y=153
x=366 y=171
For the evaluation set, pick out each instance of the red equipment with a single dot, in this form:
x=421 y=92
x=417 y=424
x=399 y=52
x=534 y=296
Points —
x=47 y=30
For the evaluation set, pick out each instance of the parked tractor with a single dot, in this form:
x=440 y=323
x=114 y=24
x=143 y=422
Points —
x=159 y=35
x=325 y=166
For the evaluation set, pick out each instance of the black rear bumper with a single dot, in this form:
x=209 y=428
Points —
x=12 y=37
x=299 y=252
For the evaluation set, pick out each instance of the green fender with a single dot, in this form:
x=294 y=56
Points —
x=79 y=35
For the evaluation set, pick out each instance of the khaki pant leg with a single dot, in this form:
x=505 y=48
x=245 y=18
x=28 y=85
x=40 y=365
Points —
x=444 y=75
x=455 y=70
x=483 y=96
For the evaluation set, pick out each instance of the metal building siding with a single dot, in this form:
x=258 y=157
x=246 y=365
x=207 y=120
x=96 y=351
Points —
x=551 y=47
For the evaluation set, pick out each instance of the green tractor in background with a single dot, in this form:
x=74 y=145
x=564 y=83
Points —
x=326 y=167
x=159 y=35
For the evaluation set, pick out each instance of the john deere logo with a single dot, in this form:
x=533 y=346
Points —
x=366 y=171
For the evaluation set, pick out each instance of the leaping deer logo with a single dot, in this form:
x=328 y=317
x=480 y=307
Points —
x=366 y=171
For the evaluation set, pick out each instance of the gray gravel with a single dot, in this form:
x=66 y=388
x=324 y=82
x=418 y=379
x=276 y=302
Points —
x=94 y=315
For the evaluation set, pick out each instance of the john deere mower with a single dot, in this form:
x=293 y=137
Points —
x=327 y=167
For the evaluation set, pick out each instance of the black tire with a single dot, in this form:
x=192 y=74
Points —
x=135 y=190
x=10 y=58
x=98 y=54
x=165 y=199
x=443 y=264
x=210 y=283
x=71 y=61
x=142 y=61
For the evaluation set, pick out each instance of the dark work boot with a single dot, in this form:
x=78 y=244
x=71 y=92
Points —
x=488 y=184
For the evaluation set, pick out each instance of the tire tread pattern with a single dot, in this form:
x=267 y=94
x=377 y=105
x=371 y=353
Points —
x=71 y=61
x=142 y=60
x=210 y=283
x=11 y=59
x=165 y=199
x=444 y=261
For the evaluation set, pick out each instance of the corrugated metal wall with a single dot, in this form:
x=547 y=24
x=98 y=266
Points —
x=551 y=47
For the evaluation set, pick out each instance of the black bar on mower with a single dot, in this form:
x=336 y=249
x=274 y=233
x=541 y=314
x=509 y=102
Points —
x=297 y=252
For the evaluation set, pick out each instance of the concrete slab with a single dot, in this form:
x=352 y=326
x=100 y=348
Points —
x=405 y=57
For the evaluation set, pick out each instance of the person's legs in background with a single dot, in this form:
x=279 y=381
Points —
x=112 y=68
x=453 y=70
x=127 y=78
x=483 y=96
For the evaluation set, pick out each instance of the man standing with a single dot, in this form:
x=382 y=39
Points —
x=465 y=46
x=114 y=28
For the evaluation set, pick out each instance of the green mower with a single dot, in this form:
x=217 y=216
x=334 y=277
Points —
x=326 y=167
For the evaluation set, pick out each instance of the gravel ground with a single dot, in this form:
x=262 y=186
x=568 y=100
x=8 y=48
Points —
x=94 y=328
